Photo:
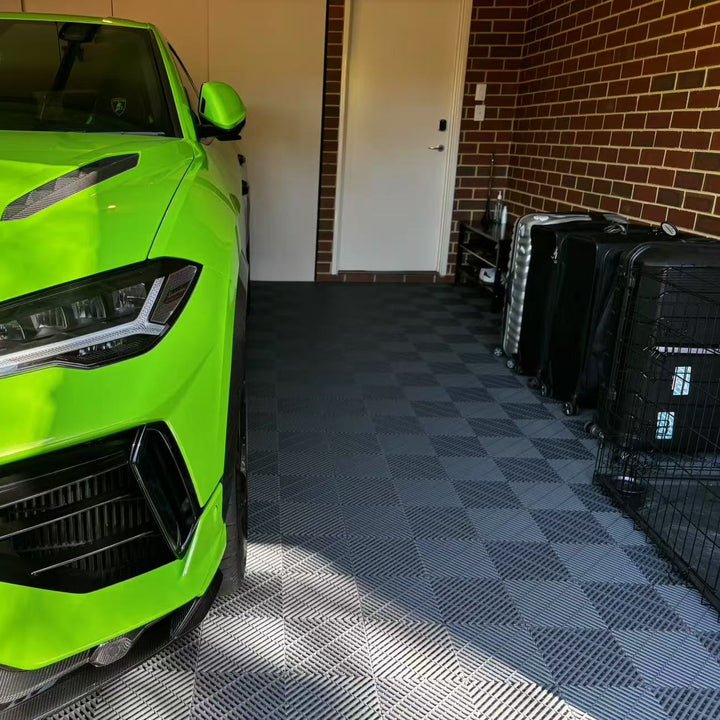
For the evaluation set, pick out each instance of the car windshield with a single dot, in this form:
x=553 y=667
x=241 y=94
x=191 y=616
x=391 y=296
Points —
x=81 y=77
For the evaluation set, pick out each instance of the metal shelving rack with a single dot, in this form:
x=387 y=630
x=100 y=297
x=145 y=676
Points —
x=480 y=248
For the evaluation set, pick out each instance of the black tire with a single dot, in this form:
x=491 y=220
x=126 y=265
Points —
x=498 y=352
x=569 y=408
x=236 y=522
x=544 y=389
x=511 y=364
x=533 y=383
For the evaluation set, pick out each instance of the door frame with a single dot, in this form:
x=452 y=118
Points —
x=453 y=134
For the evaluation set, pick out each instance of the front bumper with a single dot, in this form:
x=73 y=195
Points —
x=66 y=681
x=182 y=382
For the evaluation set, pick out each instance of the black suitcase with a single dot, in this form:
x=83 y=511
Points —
x=524 y=315
x=576 y=340
x=663 y=393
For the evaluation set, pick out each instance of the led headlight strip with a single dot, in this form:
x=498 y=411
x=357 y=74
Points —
x=96 y=321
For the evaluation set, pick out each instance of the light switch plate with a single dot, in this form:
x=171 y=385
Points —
x=479 y=113
x=480 y=92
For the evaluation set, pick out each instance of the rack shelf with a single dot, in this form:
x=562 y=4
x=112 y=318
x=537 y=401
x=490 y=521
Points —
x=480 y=248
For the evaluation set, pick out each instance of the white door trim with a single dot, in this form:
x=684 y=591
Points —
x=454 y=122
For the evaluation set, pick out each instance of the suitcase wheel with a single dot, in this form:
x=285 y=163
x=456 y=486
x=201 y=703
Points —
x=511 y=364
x=544 y=389
x=498 y=352
x=592 y=429
x=570 y=408
x=533 y=383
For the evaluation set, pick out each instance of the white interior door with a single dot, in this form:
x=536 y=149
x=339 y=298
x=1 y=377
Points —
x=400 y=82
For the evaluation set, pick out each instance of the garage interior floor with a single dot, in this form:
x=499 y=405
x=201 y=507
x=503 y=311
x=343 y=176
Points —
x=426 y=541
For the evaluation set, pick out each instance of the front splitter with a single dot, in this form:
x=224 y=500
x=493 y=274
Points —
x=65 y=687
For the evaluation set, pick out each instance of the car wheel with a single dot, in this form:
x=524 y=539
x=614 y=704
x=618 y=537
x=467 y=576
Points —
x=236 y=524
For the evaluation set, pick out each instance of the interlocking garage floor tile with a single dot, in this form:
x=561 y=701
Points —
x=425 y=542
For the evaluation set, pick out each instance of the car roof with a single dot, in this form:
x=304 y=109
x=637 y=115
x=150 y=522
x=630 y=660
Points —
x=76 y=18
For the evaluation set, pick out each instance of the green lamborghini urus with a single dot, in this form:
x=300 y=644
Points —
x=123 y=294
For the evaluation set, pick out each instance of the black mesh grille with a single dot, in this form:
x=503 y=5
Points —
x=77 y=520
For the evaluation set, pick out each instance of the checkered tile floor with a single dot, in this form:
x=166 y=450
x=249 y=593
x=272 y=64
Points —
x=426 y=541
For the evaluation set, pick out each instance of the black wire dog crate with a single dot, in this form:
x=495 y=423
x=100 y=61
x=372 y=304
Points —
x=659 y=417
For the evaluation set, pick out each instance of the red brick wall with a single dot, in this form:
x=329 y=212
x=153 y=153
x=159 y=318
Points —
x=331 y=124
x=618 y=110
x=497 y=40
x=592 y=104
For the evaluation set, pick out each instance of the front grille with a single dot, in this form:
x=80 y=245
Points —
x=81 y=519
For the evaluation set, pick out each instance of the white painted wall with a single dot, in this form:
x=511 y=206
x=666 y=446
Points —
x=100 y=8
x=272 y=52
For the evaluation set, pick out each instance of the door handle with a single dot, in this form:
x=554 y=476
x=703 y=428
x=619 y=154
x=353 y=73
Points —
x=439 y=148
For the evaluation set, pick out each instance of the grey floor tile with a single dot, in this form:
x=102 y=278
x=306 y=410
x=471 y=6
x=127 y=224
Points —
x=613 y=703
x=385 y=557
x=553 y=603
x=475 y=601
x=360 y=466
x=403 y=697
x=320 y=596
x=376 y=521
x=439 y=523
x=398 y=599
x=670 y=658
x=547 y=496
x=311 y=519
x=312 y=490
x=526 y=561
x=326 y=697
x=456 y=558
x=412 y=650
x=585 y=657
x=599 y=563
x=352 y=443
x=687 y=604
x=415 y=466
x=312 y=555
x=570 y=526
x=500 y=653
x=457 y=426
x=486 y=494
x=327 y=647
x=689 y=703
x=510 y=447
x=633 y=607
x=367 y=491
x=428 y=491
x=405 y=444
x=425 y=541
x=506 y=525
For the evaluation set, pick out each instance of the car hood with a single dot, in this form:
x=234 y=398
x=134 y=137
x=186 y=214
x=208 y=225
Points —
x=106 y=221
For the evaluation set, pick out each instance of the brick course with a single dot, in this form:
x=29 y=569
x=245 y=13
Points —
x=609 y=105
x=633 y=86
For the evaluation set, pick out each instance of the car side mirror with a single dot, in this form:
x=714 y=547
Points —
x=222 y=111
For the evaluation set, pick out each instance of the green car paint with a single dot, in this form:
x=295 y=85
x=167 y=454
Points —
x=182 y=200
x=220 y=104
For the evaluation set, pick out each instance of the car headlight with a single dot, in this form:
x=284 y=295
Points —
x=97 y=320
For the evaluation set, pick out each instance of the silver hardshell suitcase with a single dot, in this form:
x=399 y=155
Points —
x=528 y=281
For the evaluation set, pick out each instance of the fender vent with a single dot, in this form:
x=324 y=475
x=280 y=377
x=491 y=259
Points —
x=69 y=184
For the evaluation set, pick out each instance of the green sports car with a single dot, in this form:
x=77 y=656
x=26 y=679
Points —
x=123 y=294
